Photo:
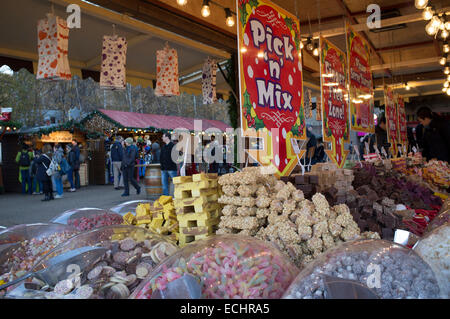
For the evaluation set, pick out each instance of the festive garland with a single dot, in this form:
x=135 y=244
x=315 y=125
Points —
x=11 y=124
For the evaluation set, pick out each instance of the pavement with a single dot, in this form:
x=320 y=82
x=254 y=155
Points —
x=25 y=209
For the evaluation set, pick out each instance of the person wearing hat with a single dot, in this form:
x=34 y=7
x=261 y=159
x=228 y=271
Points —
x=127 y=167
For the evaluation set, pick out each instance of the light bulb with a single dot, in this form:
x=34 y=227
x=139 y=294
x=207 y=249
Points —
x=446 y=48
x=447 y=70
x=301 y=45
x=428 y=13
x=443 y=60
x=444 y=34
x=448 y=78
x=230 y=21
x=421 y=4
x=229 y=18
x=243 y=50
x=436 y=22
x=206 y=11
x=316 y=50
x=430 y=29
x=444 y=90
x=407 y=87
x=181 y=2
x=309 y=44
x=446 y=84
x=260 y=54
x=448 y=91
x=447 y=25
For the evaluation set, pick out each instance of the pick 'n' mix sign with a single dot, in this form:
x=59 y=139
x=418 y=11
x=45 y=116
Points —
x=335 y=124
x=361 y=83
x=271 y=82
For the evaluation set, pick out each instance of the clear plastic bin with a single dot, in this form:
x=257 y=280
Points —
x=227 y=267
x=390 y=270
x=132 y=252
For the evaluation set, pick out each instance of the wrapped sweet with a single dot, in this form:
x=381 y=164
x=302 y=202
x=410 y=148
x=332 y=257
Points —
x=84 y=219
x=132 y=253
x=434 y=248
x=21 y=246
x=227 y=267
x=390 y=270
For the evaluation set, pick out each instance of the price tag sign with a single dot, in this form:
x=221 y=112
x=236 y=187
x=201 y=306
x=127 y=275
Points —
x=296 y=149
x=357 y=154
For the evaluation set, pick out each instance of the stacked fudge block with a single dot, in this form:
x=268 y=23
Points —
x=196 y=206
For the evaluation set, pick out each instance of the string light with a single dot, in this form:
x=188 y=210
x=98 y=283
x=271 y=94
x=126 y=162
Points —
x=407 y=87
x=316 y=50
x=431 y=29
x=301 y=45
x=181 y=2
x=206 y=11
x=243 y=50
x=443 y=60
x=446 y=47
x=448 y=91
x=309 y=44
x=447 y=70
x=446 y=84
x=229 y=17
x=428 y=13
x=260 y=54
x=444 y=34
x=448 y=78
x=421 y=4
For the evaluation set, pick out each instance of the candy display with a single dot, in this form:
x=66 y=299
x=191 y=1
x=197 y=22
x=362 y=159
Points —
x=128 y=207
x=158 y=217
x=278 y=212
x=437 y=173
x=390 y=270
x=434 y=248
x=196 y=206
x=389 y=183
x=227 y=267
x=84 y=219
x=22 y=246
x=132 y=253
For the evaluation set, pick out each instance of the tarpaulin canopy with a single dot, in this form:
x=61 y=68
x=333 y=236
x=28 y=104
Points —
x=161 y=122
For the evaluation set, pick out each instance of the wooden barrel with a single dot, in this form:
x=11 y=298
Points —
x=153 y=183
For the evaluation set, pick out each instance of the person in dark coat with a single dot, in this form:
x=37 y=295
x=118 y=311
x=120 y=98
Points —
x=319 y=153
x=381 y=137
x=168 y=166
x=128 y=162
x=43 y=163
x=436 y=137
x=419 y=135
x=76 y=164
x=116 y=159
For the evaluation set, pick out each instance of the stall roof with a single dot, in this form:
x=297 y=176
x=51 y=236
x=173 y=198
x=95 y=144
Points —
x=161 y=122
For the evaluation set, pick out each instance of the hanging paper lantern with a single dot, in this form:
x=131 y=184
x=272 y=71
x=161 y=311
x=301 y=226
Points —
x=53 y=45
x=318 y=110
x=167 y=72
x=114 y=57
x=209 y=81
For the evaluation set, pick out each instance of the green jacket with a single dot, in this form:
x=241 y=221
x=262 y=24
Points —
x=18 y=158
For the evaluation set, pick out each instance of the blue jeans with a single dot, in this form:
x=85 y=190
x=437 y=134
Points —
x=165 y=180
x=70 y=178
x=36 y=182
x=57 y=179
x=26 y=180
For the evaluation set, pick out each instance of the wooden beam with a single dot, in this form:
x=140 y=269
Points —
x=406 y=46
x=412 y=84
x=434 y=75
x=353 y=20
x=405 y=64
x=142 y=27
x=131 y=42
x=362 y=27
x=359 y=14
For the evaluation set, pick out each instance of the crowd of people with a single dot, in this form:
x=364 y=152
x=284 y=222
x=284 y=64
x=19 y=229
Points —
x=42 y=170
x=431 y=136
